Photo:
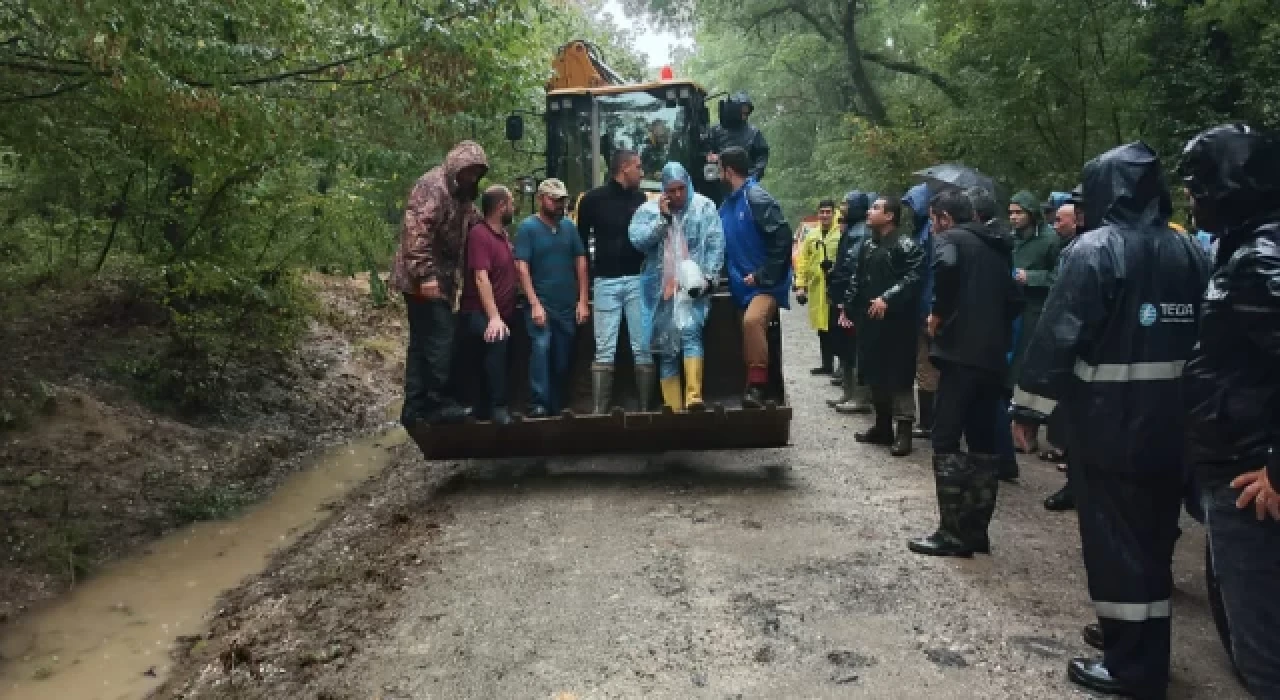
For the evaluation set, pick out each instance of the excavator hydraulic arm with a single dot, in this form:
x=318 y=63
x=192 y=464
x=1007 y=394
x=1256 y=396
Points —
x=578 y=64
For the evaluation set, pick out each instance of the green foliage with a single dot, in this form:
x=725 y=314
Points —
x=220 y=147
x=1027 y=91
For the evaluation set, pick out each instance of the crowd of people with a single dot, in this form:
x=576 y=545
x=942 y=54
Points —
x=1152 y=354
x=653 y=264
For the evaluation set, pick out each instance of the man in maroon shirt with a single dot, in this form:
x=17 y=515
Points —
x=489 y=297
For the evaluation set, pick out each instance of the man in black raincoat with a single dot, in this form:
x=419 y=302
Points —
x=975 y=301
x=853 y=397
x=1232 y=387
x=1116 y=331
x=733 y=130
x=881 y=302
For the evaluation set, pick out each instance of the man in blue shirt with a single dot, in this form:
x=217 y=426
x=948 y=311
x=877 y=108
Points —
x=552 y=263
x=758 y=261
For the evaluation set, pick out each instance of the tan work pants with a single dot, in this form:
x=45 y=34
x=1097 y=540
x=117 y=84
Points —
x=755 y=337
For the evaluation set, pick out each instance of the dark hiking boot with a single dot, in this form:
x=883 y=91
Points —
x=501 y=416
x=880 y=434
x=537 y=412
x=601 y=389
x=902 y=440
x=1061 y=500
x=924 y=429
x=449 y=414
x=754 y=398
x=1093 y=674
x=1092 y=635
x=940 y=544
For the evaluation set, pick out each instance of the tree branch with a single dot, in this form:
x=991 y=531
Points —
x=911 y=68
x=60 y=90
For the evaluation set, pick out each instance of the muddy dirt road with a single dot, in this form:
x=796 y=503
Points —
x=765 y=574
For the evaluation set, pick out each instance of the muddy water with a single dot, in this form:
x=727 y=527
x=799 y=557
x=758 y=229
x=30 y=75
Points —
x=110 y=638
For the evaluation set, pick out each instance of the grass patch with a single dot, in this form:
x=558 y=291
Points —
x=217 y=502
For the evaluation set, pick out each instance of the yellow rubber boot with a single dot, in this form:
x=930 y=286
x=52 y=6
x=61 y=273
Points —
x=693 y=384
x=671 y=393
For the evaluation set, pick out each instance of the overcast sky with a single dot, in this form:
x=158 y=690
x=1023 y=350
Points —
x=655 y=44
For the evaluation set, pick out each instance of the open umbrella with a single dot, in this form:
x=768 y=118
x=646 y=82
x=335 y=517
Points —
x=955 y=176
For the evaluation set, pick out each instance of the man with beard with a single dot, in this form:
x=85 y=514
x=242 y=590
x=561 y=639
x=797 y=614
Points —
x=552 y=263
x=818 y=253
x=1117 y=330
x=488 y=303
x=975 y=303
x=854 y=397
x=734 y=131
x=883 y=298
x=1232 y=386
x=758 y=261
x=427 y=271
x=603 y=217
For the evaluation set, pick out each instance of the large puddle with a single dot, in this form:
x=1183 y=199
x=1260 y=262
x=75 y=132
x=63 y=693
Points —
x=110 y=638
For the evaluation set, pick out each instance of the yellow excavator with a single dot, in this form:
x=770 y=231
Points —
x=590 y=112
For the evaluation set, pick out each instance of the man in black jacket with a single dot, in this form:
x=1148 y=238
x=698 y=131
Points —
x=975 y=301
x=1116 y=332
x=881 y=302
x=734 y=131
x=854 y=398
x=604 y=215
x=1232 y=386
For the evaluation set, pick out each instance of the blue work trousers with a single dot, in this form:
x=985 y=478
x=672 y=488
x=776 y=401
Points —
x=549 y=358
x=614 y=298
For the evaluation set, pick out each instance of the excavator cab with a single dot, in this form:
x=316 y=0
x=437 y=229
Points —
x=590 y=113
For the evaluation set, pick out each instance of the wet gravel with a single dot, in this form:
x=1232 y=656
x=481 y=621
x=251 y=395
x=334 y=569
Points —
x=760 y=574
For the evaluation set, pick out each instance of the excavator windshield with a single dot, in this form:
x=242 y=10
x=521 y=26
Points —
x=660 y=122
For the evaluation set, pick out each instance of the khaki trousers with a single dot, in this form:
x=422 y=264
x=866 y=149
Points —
x=755 y=338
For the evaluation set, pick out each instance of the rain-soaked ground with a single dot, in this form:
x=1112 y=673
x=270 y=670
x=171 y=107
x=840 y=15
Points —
x=754 y=574
x=111 y=638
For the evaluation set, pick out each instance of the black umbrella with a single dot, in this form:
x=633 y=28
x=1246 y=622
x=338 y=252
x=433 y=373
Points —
x=955 y=176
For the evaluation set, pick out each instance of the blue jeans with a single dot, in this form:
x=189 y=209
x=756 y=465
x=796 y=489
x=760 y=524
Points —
x=615 y=297
x=549 y=359
x=1246 y=558
x=690 y=345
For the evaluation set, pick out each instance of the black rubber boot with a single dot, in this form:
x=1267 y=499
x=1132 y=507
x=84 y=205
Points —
x=646 y=380
x=980 y=501
x=902 y=440
x=847 y=385
x=601 y=388
x=924 y=429
x=882 y=432
x=952 y=474
x=1061 y=500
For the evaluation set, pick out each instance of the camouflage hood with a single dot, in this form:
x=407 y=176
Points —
x=464 y=155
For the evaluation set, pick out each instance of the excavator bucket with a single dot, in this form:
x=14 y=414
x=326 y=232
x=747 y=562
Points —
x=630 y=427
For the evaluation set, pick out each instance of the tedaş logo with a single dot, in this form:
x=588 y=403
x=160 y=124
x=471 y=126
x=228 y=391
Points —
x=1148 y=315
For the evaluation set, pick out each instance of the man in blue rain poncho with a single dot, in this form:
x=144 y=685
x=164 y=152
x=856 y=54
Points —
x=683 y=243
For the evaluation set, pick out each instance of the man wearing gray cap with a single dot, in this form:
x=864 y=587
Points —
x=552 y=263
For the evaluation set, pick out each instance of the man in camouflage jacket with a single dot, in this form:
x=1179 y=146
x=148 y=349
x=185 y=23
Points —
x=428 y=270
